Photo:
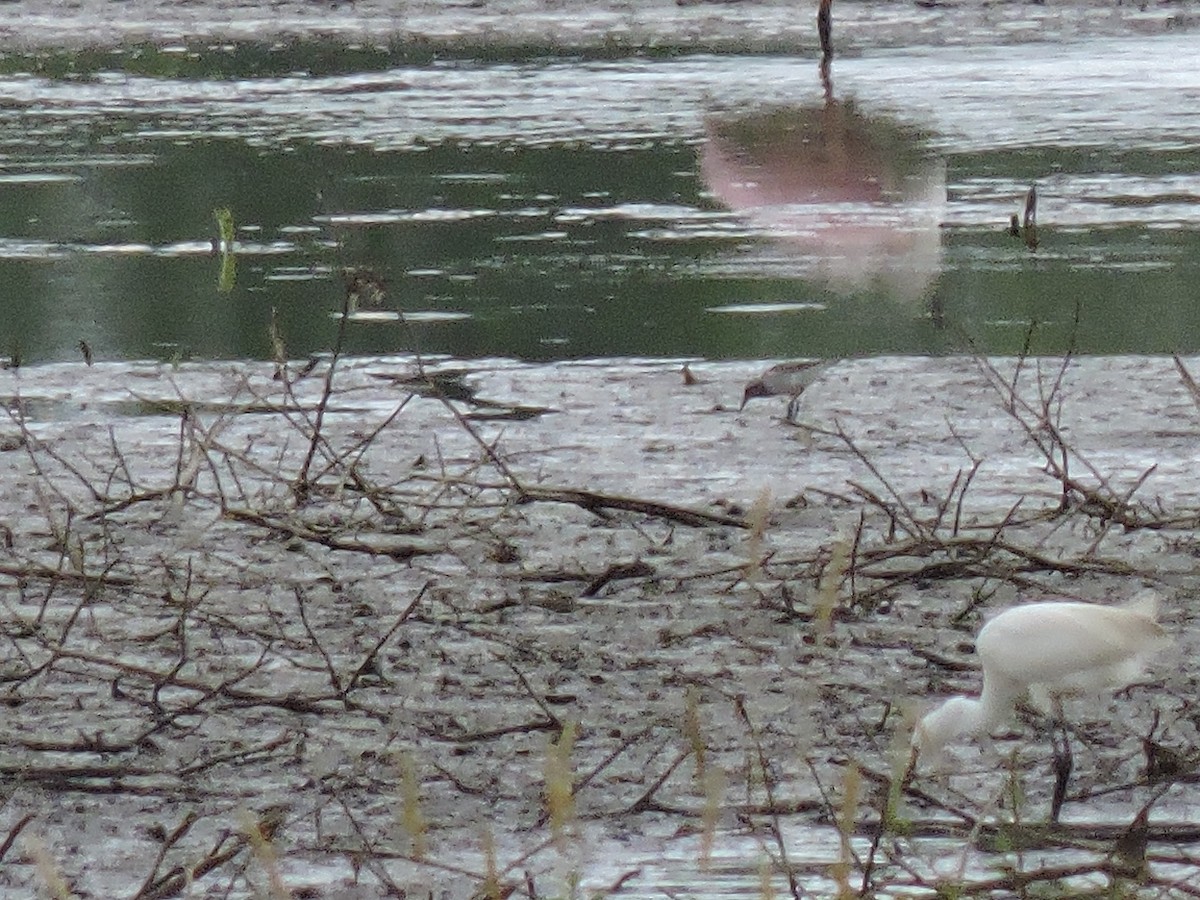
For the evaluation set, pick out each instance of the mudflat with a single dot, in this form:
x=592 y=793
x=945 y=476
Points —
x=334 y=633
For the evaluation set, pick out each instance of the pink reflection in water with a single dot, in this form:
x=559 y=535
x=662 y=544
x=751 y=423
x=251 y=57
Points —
x=858 y=199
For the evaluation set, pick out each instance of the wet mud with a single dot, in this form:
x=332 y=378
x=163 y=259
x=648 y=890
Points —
x=323 y=636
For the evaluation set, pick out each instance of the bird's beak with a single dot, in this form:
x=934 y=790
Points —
x=753 y=389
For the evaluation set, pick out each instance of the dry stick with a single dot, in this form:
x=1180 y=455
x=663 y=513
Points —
x=739 y=707
x=873 y=499
x=617 y=571
x=223 y=689
x=1018 y=883
x=533 y=695
x=309 y=430
x=914 y=527
x=1053 y=397
x=198 y=458
x=1122 y=502
x=185 y=471
x=372 y=493
x=13 y=834
x=119 y=465
x=488 y=450
x=1032 y=837
x=460 y=785
x=94 y=743
x=884 y=780
x=1110 y=504
x=1058 y=442
x=1058 y=446
x=1046 y=400
x=33 y=447
x=831 y=813
x=241 y=756
x=588 y=500
x=645 y=803
x=473 y=516
x=132 y=500
x=371 y=855
x=302 y=484
x=167 y=679
x=852 y=572
x=962 y=497
x=464 y=496
x=85 y=599
x=943 y=503
x=165 y=845
x=868 y=869
x=203 y=446
x=1134 y=840
x=65 y=776
x=180 y=630
x=398 y=552
x=916 y=879
x=604 y=764
x=1026 y=349
x=334 y=681
x=370 y=661
x=1188 y=381
x=1010 y=518
x=37 y=572
x=344 y=462
x=620 y=882
x=594 y=501
x=489 y=734
x=976 y=462
x=184 y=417
x=179 y=879
x=981 y=548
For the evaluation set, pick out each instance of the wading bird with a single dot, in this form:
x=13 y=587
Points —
x=787 y=379
x=1050 y=651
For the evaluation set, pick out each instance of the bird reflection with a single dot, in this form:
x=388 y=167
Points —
x=856 y=200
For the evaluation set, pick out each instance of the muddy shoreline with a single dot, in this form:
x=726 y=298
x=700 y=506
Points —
x=375 y=663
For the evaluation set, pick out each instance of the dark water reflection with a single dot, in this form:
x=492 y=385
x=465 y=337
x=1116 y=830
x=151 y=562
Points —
x=543 y=208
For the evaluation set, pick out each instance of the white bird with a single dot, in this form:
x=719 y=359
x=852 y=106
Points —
x=787 y=379
x=1050 y=650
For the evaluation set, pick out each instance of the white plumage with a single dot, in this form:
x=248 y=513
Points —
x=1050 y=650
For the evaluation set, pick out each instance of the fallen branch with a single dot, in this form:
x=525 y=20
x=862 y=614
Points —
x=595 y=503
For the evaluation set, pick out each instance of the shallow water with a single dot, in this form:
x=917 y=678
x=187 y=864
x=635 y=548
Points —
x=640 y=196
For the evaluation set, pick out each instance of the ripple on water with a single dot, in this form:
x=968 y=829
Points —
x=766 y=309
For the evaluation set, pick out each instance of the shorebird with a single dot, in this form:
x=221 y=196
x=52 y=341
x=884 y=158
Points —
x=1050 y=651
x=787 y=379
